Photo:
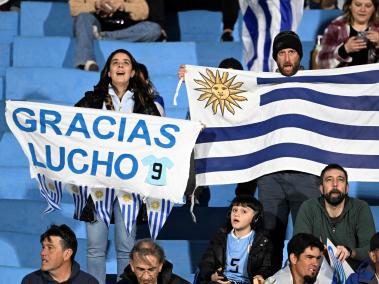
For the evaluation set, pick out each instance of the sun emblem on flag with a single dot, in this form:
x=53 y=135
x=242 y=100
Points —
x=99 y=194
x=127 y=197
x=220 y=91
x=51 y=186
x=75 y=189
x=155 y=205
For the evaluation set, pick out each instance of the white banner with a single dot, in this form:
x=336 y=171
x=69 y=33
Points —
x=148 y=155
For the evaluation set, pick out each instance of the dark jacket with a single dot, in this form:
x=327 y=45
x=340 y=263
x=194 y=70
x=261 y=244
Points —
x=165 y=276
x=259 y=260
x=77 y=277
x=365 y=274
x=95 y=99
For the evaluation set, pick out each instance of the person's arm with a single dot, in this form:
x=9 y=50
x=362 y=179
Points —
x=266 y=268
x=365 y=229
x=82 y=6
x=331 y=42
x=209 y=263
x=138 y=9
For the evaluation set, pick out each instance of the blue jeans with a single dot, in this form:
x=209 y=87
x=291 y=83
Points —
x=97 y=241
x=144 y=31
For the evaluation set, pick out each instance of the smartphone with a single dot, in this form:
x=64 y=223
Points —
x=363 y=36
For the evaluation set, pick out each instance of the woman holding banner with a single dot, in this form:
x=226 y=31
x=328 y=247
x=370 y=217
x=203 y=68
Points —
x=120 y=88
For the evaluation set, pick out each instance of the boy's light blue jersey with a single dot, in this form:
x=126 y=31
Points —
x=237 y=253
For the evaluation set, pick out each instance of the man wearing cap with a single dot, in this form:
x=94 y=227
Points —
x=368 y=271
x=284 y=191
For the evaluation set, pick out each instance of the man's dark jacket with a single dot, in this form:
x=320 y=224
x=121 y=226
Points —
x=165 y=276
x=77 y=277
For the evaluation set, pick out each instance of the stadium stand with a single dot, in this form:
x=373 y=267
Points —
x=36 y=59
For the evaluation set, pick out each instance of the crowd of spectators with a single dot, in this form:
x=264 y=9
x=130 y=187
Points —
x=248 y=249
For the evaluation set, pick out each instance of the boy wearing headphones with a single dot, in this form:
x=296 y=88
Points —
x=239 y=253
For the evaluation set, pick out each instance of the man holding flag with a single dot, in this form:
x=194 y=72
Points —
x=283 y=192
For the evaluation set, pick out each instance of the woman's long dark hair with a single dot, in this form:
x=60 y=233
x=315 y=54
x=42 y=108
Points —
x=136 y=84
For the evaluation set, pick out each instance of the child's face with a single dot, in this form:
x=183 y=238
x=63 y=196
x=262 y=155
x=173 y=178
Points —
x=241 y=217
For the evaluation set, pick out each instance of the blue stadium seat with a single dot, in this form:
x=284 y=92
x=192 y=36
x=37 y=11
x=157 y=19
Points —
x=9 y=23
x=314 y=22
x=45 y=19
x=212 y=53
x=67 y=86
x=160 y=58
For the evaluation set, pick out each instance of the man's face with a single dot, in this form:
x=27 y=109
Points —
x=306 y=266
x=288 y=61
x=334 y=186
x=53 y=256
x=146 y=269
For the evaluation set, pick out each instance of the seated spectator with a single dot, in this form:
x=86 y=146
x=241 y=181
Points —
x=347 y=222
x=111 y=19
x=304 y=262
x=229 y=9
x=149 y=266
x=239 y=252
x=59 y=247
x=353 y=38
x=158 y=100
x=368 y=271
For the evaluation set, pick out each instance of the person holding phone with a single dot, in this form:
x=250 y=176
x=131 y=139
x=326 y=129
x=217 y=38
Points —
x=353 y=38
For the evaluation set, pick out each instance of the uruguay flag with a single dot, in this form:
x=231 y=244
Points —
x=158 y=211
x=260 y=123
x=104 y=199
x=51 y=191
x=80 y=196
x=262 y=21
x=130 y=204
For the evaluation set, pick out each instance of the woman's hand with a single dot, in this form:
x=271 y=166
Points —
x=354 y=44
x=373 y=37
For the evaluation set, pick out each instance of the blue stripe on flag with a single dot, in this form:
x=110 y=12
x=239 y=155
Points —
x=365 y=77
x=368 y=103
x=251 y=23
x=286 y=15
x=155 y=221
x=331 y=129
x=286 y=150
